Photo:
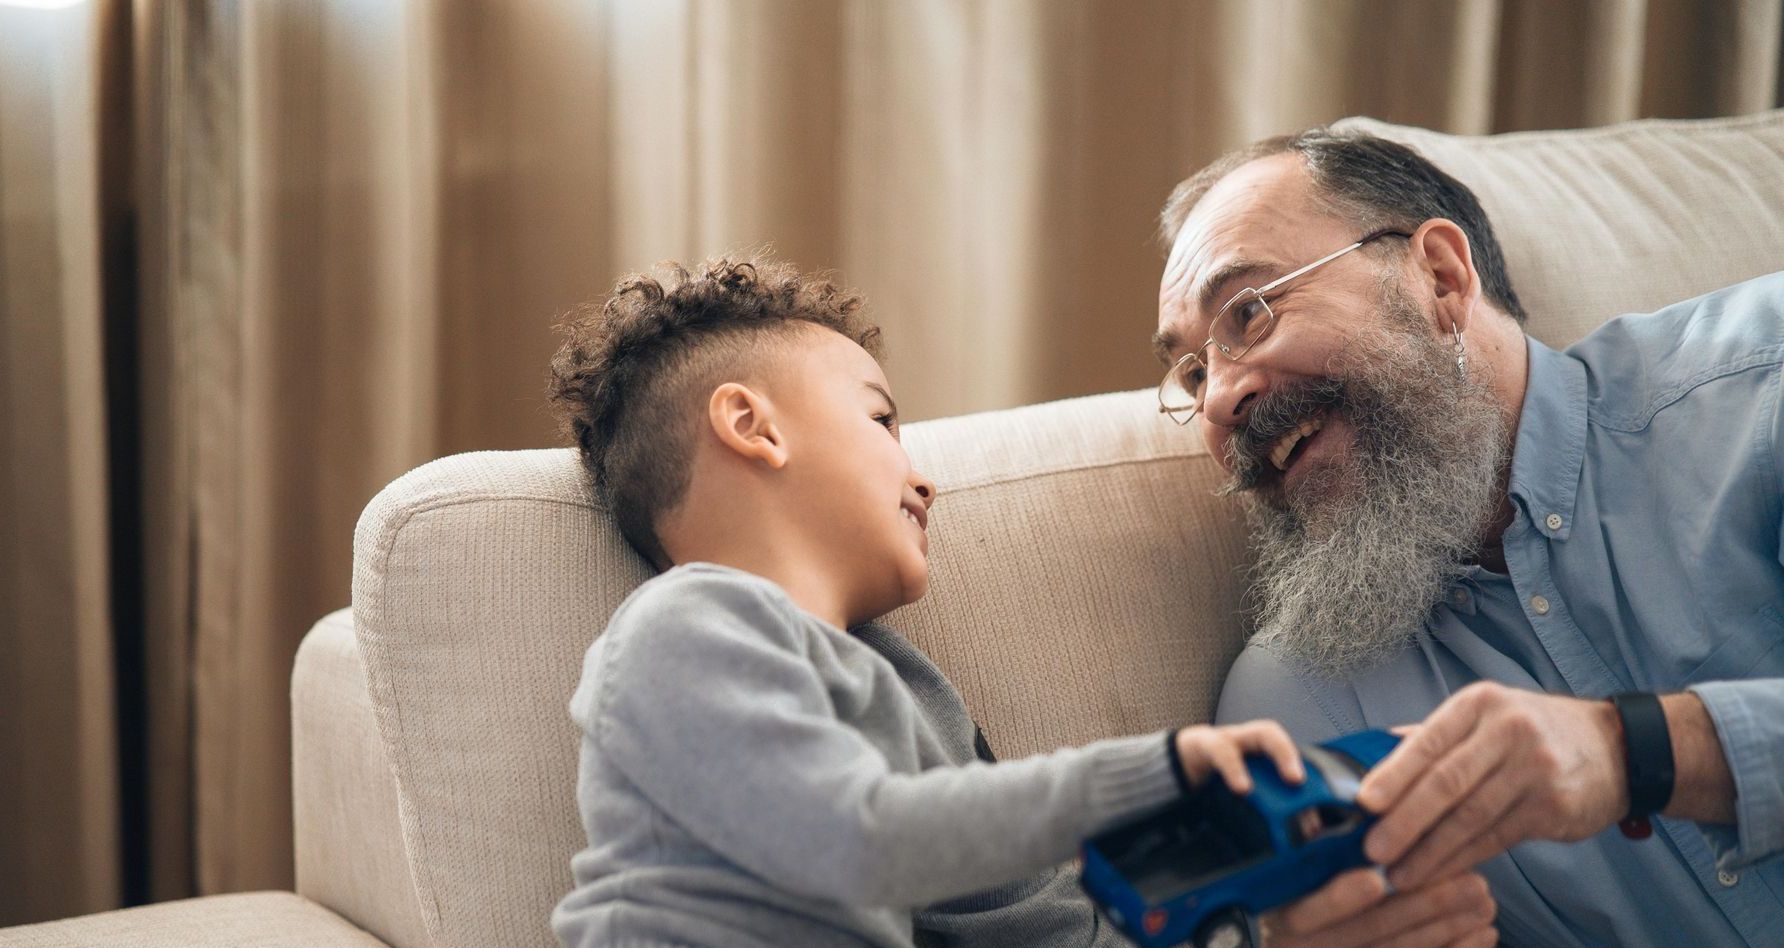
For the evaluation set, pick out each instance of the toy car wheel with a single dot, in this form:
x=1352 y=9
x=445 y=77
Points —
x=1227 y=928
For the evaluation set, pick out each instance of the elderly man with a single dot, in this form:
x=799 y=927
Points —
x=1459 y=526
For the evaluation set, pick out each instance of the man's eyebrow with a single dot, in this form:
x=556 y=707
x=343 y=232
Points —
x=1165 y=342
x=892 y=406
x=1211 y=296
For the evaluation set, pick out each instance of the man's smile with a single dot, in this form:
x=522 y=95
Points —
x=1286 y=426
x=1289 y=443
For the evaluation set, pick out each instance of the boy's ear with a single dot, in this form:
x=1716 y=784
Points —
x=744 y=422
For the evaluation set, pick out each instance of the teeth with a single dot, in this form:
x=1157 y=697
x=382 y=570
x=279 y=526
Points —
x=1285 y=447
x=909 y=516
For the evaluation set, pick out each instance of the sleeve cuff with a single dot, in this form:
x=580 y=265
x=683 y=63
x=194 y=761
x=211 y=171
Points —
x=1749 y=720
x=1183 y=787
x=1132 y=776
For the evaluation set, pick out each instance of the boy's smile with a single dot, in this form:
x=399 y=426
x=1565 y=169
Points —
x=918 y=514
x=853 y=480
x=801 y=479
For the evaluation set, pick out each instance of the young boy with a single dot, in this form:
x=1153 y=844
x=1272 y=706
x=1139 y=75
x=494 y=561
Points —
x=761 y=765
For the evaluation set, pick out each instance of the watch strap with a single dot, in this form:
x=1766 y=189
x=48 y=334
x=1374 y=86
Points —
x=1647 y=753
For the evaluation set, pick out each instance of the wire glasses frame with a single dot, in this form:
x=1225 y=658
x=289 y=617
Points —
x=1242 y=323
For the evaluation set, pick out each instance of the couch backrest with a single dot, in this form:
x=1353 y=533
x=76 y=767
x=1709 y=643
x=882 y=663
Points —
x=1622 y=219
x=1085 y=580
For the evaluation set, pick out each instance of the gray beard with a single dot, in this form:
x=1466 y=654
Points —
x=1351 y=561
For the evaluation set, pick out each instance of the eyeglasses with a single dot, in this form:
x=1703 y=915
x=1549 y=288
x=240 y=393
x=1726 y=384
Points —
x=1242 y=323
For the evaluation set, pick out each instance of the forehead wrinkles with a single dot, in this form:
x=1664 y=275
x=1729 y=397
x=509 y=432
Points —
x=1260 y=207
x=1198 y=256
x=1261 y=214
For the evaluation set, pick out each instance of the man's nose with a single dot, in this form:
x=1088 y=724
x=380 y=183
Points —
x=1232 y=389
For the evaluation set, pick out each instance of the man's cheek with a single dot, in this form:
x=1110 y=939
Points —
x=1216 y=438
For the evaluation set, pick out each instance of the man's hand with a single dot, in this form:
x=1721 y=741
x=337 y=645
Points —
x=1355 y=909
x=1491 y=767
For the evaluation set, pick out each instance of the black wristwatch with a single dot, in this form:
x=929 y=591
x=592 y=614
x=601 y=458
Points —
x=1648 y=759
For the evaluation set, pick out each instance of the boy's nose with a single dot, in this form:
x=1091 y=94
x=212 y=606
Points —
x=925 y=489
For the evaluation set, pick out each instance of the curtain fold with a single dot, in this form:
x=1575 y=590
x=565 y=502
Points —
x=353 y=224
x=59 y=835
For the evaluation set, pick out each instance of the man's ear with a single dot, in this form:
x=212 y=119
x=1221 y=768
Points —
x=744 y=422
x=1440 y=250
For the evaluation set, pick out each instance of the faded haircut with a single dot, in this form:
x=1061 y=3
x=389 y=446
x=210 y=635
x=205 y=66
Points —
x=631 y=380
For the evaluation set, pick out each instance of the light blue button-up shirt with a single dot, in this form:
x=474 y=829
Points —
x=1648 y=477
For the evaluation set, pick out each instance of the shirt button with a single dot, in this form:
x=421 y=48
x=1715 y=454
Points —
x=1458 y=597
x=1728 y=879
x=1540 y=605
x=1553 y=520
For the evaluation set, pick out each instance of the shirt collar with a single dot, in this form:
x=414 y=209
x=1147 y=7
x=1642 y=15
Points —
x=1551 y=442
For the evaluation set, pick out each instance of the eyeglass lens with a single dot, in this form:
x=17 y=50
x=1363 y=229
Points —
x=1239 y=327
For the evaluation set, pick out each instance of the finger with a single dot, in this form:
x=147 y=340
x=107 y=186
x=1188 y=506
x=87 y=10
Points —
x=1438 y=933
x=1451 y=906
x=1502 y=836
x=1472 y=819
x=1444 y=729
x=1345 y=896
x=1444 y=785
x=1270 y=738
x=1485 y=938
x=1404 y=730
x=1226 y=757
x=1470 y=915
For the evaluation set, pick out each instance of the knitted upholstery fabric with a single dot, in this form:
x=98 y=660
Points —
x=1084 y=577
x=1085 y=583
x=349 y=847
x=1623 y=219
x=249 y=920
x=479 y=581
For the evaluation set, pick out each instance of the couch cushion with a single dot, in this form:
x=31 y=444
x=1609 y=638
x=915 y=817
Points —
x=349 y=848
x=1624 y=219
x=478 y=582
x=246 y=920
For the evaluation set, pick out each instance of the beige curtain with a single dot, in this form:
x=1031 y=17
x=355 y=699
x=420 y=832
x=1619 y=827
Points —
x=59 y=793
x=353 y=224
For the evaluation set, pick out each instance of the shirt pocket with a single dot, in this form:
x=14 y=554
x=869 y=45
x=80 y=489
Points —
x=1751 y=652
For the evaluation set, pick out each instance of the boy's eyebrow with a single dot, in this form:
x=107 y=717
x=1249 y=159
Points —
x=881 y=389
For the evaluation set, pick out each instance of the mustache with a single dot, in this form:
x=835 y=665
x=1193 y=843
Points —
x=1276 y=413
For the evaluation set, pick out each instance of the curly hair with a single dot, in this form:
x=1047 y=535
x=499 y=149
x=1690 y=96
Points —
x=631 y=379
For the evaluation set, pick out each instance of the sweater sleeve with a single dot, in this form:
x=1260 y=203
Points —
x=709 y=705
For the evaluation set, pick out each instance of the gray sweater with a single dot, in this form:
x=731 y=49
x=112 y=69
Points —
x=753 y=776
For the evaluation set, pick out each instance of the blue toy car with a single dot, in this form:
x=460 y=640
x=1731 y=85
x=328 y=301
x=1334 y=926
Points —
x=1205 y=868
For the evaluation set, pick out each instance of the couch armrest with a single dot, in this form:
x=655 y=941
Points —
x=349 y=841
x=247 y=920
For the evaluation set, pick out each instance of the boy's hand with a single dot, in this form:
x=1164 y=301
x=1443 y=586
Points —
x=1356 y=909
x=1203 y=750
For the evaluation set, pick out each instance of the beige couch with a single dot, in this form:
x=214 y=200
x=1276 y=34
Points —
x=1086 y=583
